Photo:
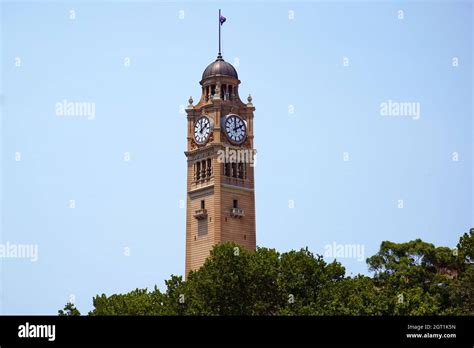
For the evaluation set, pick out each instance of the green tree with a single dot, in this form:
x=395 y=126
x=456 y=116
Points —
x=421 y=279
x=461 y=289
x=69 y=310
x=234 y=281
x=412 y=278
x=136 y=302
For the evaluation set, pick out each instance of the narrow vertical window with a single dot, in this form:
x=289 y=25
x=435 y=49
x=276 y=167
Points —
x=203 y=172
x=234 y=170
x=241 y=170
x=198 y=170
x=209 y=167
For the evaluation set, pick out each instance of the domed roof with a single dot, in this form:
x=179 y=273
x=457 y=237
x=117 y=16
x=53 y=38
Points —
x=219 y=68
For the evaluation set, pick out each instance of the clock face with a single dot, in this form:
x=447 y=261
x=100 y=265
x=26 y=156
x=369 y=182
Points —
x=235 y=129
x=202 y=130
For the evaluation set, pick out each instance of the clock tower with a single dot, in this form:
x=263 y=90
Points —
x=220 y=203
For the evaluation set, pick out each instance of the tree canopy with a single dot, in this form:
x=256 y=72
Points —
x=412 y=278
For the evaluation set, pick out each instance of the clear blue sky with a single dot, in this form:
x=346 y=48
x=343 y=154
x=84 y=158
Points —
x=282 y=63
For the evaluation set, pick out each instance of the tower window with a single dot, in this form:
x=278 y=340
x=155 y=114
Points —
x=209 y=167
x=198 y=170
x=203 y=204
x=236 y=203
x=234 y=170
x=241 y=170
x=227 y=169
x=203 y=172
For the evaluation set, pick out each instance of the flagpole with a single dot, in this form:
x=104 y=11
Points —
x=219 y=22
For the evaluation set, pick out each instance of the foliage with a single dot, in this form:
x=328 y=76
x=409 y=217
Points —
x=69 y=310
x=412 y=278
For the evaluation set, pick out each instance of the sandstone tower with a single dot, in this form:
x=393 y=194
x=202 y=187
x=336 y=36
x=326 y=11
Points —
x=220 y=181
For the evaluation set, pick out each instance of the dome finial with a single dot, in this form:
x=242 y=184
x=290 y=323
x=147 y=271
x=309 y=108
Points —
x=249 y=99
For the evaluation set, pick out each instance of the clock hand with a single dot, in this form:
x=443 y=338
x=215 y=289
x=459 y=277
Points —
x=201 y=127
